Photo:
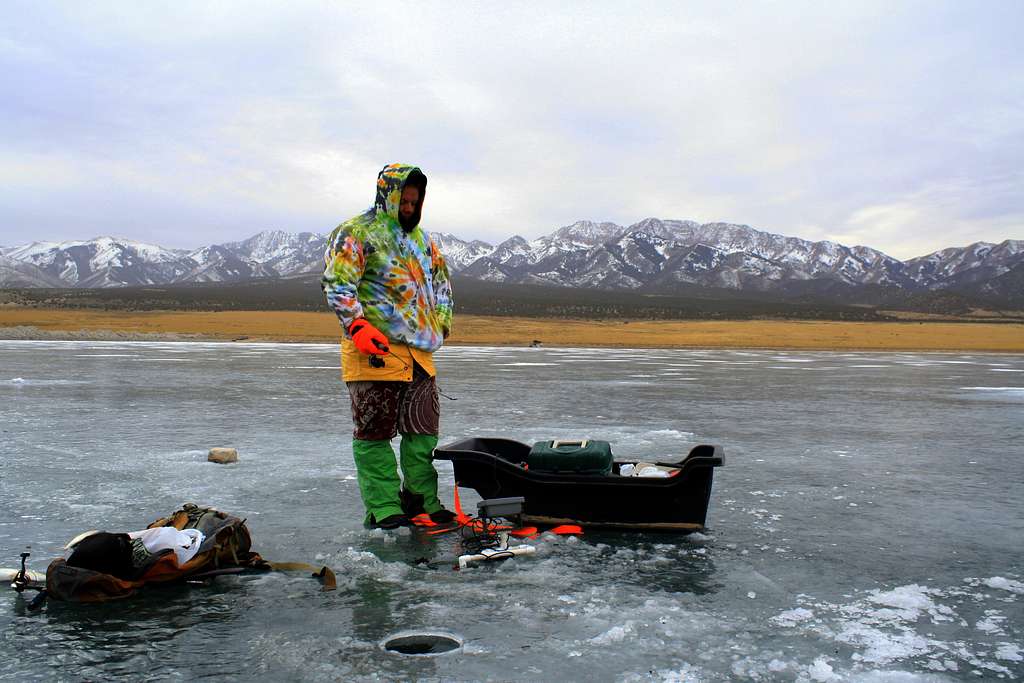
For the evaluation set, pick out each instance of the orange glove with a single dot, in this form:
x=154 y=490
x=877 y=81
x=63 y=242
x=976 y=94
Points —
x=367 y=338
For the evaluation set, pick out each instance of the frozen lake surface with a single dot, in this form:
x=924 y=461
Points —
x=868 y=524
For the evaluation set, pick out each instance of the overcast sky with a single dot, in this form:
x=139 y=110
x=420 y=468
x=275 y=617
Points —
x=897 y=125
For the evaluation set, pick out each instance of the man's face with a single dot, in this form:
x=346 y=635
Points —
x=410 y=199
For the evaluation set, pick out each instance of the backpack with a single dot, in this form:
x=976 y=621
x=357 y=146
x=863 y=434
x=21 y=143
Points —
x=226 y=548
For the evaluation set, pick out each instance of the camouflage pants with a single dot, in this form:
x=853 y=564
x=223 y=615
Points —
x=380 y=410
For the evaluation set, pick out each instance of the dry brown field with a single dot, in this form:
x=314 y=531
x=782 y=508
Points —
x=484 y=330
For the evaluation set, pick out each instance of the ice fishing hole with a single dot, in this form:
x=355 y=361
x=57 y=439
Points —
x=422 y=644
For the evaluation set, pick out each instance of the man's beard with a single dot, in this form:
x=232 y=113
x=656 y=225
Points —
x=408 y=223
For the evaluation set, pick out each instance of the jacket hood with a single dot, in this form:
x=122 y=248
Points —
x=391 y=180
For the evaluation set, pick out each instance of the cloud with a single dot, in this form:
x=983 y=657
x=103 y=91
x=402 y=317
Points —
x=895 y=126
x=935 y=218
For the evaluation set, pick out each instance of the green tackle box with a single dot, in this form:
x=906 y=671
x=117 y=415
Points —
x=571 y=457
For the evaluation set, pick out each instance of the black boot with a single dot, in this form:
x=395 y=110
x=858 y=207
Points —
x=442 y=516
x=412 y=503
x=389 y=522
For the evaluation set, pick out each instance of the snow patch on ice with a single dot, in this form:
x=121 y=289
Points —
x=821 y=671
x=992 y=623
x=1009 y=652
x=615 y=634
x=21 y=381
x=1005 y=584
x=792 y=617
x=910 y=601
x=886 y=627
x=899 y=625
x=1007 y=389
x=668 y=433
x=882 y=646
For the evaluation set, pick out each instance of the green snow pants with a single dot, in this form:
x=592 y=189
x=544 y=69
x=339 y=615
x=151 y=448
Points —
x=378 y=479
x=380 y=410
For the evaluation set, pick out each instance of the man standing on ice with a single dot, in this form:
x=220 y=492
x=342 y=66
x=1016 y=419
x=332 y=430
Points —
x=387 y=281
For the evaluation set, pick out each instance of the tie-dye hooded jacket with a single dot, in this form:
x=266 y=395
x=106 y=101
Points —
x=395 y=279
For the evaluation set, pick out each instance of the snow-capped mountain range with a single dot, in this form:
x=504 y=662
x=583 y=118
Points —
x=116 y=262
x=652 y=255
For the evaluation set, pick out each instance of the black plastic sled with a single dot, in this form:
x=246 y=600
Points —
x=496 y=468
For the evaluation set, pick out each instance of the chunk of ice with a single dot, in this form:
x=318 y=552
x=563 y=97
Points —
x=614 y=634
x=1009 y=652
x=1005 y=584
x=821 y=671
x=792 y=617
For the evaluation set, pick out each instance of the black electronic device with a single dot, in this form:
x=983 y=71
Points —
x=509 y=508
